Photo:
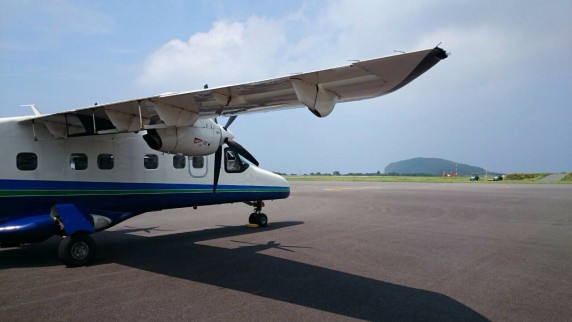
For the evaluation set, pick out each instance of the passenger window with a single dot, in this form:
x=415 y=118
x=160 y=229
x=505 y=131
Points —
x=198 y=162
x=233 y=163
x=27 y=161
x=78 y=161
x=151 y=161
x=179 y=161
x=105 y=161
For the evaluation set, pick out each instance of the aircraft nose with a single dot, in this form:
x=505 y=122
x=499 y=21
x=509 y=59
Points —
x=284 y=183
x=277 y=187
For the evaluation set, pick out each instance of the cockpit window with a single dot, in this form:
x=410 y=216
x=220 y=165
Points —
x=232 y=162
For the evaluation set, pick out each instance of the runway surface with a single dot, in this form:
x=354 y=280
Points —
x=334 y=251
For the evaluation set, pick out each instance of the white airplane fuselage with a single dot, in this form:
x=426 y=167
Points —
x=110 y=178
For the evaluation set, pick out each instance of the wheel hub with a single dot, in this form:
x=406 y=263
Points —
x=80 y=250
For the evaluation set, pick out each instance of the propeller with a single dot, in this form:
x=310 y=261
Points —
x=235 y=146
x=217 y=161
x=229 y=122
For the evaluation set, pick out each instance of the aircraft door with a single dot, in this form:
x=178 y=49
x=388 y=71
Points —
x=198 y=166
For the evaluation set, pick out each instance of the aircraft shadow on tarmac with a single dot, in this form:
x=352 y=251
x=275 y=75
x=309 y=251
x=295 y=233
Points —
x=247 y=270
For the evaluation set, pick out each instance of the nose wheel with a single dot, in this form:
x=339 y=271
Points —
x=257 y=217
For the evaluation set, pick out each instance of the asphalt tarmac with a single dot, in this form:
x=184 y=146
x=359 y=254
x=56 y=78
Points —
x=334 y=251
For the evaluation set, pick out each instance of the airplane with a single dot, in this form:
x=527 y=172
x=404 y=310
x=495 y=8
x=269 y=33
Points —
x=81 y=171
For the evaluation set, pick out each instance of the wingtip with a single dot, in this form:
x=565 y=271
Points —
x=440 y=53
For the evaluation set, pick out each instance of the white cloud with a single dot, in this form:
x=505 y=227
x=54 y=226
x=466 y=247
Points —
x=229 y=52
x=261 y=47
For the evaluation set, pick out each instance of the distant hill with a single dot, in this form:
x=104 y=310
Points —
x=431 y=166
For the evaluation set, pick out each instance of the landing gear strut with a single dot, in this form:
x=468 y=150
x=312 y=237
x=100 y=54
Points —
x=257 y=217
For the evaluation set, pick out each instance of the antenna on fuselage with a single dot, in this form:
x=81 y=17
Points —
x=34 y=108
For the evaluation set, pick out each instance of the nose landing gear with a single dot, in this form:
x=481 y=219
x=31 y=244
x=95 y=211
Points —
x=257 y=217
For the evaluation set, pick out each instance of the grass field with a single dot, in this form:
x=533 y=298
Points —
x=532 y=178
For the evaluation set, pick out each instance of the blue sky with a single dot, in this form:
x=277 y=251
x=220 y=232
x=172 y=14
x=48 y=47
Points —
x=501 y=101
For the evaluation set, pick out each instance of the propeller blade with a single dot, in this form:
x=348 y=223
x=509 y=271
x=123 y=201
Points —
x=242 y=151
x=218 y=157
x=229 y=122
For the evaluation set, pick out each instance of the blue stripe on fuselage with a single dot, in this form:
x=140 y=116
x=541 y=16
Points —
x=29 y=197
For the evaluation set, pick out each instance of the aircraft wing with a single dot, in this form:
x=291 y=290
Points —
x=319 y=91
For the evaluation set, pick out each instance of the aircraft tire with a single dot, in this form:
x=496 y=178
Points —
x=262 y=220
x=252 y=219
x=77 y=250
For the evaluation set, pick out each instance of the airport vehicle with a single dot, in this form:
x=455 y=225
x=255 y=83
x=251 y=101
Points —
x=84 y=170
x=474 y=177
x=498 y=177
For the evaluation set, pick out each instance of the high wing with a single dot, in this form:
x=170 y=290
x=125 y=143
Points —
x=319 y=91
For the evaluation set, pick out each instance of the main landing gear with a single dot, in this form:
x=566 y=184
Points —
x=257 y=217
x=77 y=249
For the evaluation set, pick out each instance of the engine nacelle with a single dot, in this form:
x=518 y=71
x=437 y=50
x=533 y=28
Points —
x=203 y=138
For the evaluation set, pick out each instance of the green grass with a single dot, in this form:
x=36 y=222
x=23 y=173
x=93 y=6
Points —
x=516 y=178
x=527 y=177
x=567 y=178
x=378 y=178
